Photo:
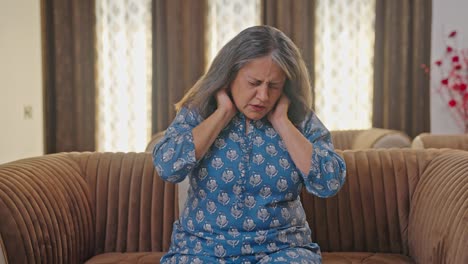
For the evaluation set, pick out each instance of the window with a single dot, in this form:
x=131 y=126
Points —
x=226 y=18
x=123 y=74
x=344 y=52
x=343 y=67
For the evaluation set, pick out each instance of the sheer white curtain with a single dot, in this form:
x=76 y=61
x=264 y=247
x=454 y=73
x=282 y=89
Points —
x=343 y=78
x=124 y=54
x=226 y=18
x=344 y=52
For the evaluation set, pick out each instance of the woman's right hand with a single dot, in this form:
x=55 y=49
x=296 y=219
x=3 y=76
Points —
x=225 y=104
x=207 y=131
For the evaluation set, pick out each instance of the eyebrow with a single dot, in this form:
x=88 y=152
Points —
x=257 y=80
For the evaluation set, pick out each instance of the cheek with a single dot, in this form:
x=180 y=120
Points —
x=242 y=95
x=237 y=96
x=276 y=94
x=235 y=93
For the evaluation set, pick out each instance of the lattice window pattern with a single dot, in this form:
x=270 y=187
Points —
x=124 y=70
x=344 y=52
x=226 y=18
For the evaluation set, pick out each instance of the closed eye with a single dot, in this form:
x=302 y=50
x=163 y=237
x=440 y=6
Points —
x=274 y=86
x=271 y=85
x=257 y=83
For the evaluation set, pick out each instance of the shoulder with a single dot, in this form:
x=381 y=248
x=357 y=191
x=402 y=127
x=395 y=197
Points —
x=309 y=120
x=188 y=115
x=312 y=125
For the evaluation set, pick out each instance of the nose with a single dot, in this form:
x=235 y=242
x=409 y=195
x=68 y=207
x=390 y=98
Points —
x=262 y=92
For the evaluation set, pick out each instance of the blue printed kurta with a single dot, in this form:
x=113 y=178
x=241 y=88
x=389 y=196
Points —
x=243 y=202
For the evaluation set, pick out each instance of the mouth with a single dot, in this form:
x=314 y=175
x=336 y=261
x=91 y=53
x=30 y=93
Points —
x=257 y=108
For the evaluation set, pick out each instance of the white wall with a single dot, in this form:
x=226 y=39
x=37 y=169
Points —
x=447 y=15
x=21 y=80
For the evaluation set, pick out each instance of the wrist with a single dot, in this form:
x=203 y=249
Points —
x=224 y=115
x=281 y=124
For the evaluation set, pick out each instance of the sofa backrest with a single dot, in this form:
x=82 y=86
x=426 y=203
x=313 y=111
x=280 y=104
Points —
x=370 y=213
x=68 y=207
x=133 y=208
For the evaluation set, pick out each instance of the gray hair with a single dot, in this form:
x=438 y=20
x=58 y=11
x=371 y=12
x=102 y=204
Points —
x=252 y=43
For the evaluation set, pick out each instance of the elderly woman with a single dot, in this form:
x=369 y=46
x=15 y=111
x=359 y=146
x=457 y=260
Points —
x=247 y=139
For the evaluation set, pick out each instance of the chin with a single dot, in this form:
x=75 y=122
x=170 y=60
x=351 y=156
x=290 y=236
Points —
x=255 y=117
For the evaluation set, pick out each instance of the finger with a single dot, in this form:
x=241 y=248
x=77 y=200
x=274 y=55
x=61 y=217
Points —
x=284 y=100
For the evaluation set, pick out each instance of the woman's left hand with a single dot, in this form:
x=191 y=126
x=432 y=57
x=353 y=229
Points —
x=280 y=112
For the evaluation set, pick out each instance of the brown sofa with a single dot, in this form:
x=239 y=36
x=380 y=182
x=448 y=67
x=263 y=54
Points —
x=397 y=206
x=70 y=207
x=369 y=138
x=427 y=140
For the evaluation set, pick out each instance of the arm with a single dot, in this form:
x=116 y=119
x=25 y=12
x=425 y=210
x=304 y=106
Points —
x=312 y=152
x=205 y=134
x=188 y=139
x=299 y=147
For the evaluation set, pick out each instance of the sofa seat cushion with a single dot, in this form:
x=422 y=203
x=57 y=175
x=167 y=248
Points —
x=328 y=258
x=364 y=257
x=127 y=258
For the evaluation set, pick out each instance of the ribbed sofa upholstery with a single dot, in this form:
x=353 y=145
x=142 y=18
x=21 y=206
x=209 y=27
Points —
x=438 y=227
x=69 y=207
x=397 y=206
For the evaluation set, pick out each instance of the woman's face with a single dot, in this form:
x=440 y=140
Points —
x=257 y=87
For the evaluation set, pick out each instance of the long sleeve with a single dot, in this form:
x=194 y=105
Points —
x=174 y=155
x=327 y=172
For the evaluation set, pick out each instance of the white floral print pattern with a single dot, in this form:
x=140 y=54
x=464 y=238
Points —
x=243 y=203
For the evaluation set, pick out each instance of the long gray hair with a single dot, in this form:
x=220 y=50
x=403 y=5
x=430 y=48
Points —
x=252 y=43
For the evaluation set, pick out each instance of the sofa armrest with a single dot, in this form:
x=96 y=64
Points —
x=45 y=212
x=154 y=140
x=427 y=140
x=438 y=222
x=381 y=138
x=3 y=257
x=369 y=138
x=343 y=139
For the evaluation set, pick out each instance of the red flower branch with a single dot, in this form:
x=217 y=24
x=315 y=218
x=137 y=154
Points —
x=453 y=68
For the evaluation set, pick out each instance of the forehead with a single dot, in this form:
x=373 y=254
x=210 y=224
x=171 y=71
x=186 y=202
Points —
x=264 y=68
